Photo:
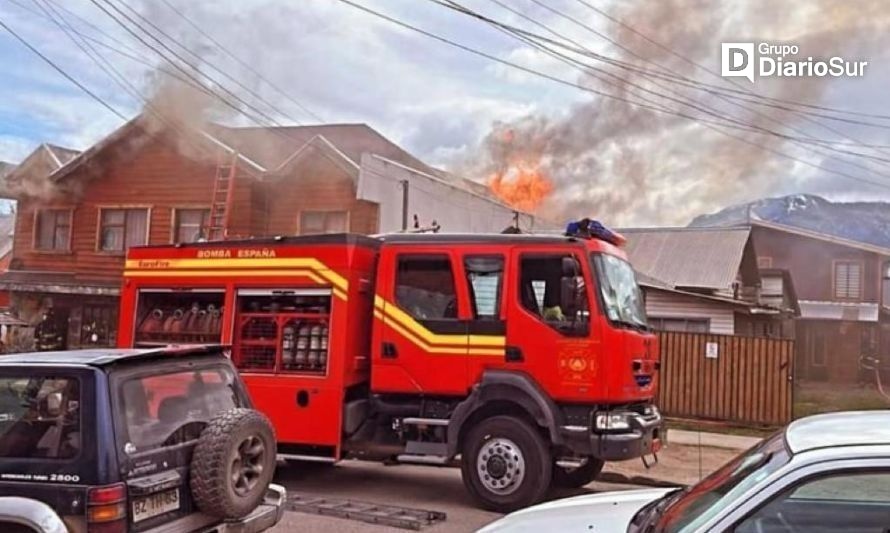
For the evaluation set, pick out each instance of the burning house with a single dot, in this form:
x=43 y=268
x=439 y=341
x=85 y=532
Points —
x=148 y=184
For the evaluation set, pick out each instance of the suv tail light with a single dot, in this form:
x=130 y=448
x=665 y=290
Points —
x=107 y=509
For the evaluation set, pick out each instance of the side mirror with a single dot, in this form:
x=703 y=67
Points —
x=569 y=289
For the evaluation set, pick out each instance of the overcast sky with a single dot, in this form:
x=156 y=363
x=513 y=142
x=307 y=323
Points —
x=628 y=164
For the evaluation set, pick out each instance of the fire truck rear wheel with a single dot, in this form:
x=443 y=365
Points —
x=505 y=464
x=233 y=463
x=574 y=478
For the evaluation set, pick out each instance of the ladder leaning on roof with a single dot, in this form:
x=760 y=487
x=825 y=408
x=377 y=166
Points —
x=223 y=197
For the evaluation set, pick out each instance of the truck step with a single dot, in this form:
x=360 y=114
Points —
x=307 y=458
x=423 y=459
x=372 y=513
x=414 y=421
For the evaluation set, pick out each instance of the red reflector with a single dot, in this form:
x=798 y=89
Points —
x=108 y=494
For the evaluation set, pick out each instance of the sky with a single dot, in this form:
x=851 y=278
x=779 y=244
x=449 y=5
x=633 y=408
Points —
x=615 y=156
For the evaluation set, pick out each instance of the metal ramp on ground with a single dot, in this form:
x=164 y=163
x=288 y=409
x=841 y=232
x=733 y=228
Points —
x=372 y=513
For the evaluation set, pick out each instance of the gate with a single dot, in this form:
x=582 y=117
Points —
x=727 y=378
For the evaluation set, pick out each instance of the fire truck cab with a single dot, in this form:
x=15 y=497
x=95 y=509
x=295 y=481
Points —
x=526 y=359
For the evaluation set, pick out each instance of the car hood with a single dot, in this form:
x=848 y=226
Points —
x=607 y=512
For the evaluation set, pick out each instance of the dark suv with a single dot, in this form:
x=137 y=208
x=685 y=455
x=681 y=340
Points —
x=137 y=441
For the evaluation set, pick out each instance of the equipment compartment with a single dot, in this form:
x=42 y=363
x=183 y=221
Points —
x=282 y=330
x=165 y=316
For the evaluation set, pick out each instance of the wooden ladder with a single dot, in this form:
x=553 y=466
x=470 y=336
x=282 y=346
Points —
x=223 y=197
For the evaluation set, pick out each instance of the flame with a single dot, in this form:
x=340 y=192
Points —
x=522 y=187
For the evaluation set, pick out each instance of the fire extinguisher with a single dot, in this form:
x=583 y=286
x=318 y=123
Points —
x=287 y=346
x=301 y=357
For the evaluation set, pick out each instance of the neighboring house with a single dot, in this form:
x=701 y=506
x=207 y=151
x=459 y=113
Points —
x=706 y=280
x=843 y=288
x=141 y=185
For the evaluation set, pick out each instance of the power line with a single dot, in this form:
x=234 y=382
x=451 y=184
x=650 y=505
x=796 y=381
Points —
x=61 y=71
x=242 y=62
x=715 y=74
x=110 y=70
x=568 y=83
x=177 y=66
x=522 y=35
x=222 y=72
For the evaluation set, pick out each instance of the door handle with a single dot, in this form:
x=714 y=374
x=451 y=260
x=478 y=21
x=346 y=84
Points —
x=513 y=354
x=388 y=351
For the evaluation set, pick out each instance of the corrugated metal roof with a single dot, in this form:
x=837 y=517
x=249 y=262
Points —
x=702 y=258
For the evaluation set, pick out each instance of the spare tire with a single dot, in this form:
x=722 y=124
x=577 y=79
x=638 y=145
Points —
x=233 y=463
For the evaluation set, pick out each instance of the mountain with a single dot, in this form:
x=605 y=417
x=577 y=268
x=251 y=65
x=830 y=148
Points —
x=859 y=221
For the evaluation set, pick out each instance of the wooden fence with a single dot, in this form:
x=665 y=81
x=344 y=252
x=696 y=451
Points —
x=741 y=380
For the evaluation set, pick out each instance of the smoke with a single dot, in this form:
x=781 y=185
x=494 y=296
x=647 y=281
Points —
x=631 y=165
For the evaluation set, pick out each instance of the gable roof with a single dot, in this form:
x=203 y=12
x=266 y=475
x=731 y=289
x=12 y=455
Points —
x=695 y=258
x=6 y=167
x=44 y=161
x=795 y=230
x=274 y=147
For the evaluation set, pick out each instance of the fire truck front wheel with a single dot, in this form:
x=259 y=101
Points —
x=505 y=463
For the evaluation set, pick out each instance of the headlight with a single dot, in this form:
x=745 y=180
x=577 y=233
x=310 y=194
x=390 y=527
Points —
x=610 y=421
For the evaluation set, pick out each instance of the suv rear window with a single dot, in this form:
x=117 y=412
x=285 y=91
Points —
x=172 y=408
x=39 y=417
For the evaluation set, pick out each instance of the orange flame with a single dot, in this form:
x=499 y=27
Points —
x=521 y=187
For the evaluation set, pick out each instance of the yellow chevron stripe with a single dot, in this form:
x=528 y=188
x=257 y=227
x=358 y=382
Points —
x=407 y=321
x=455 y=350
x=311 y=263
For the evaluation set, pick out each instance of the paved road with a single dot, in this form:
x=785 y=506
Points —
x=430 y=488
x=441 y=489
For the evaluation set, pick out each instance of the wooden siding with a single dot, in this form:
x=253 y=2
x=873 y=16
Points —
x=157 y=177
x=747 y=383
x=664 y=304
x=811 y=263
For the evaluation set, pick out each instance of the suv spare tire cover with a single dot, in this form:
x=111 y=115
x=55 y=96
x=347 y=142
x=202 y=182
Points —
x=233 y=463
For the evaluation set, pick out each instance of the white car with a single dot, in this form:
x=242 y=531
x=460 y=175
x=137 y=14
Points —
x=825 y=473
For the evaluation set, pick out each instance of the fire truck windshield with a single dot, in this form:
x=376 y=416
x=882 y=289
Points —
x=621 y=295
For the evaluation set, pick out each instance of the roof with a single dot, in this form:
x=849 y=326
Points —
x=699 y=258
x=103 y=356
x=6 y=167
x=273 y=147
x=859 y=245
x=7 y=319
x=44 y=161
x=59 y=282
x=851 y=428
x=850 y=311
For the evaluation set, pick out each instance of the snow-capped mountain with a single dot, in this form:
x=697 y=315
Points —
x=860 y=221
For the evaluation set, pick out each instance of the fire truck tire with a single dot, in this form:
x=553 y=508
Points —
x=505 y=464
x=575 y=478
x=233 y=463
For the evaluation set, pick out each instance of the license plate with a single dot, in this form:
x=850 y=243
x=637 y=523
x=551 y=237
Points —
x=155 y=505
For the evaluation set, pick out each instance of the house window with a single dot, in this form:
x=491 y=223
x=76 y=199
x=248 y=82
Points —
x=848 y=280
x=682 y=325
x=189 y=224
x=53 y=231
x=764 y=261
x=122 y=228
x=314 y=222
x=885 y=285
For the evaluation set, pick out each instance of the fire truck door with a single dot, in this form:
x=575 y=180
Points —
x=424 y=340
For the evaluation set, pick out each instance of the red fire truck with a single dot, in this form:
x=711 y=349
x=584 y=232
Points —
x=527 y=359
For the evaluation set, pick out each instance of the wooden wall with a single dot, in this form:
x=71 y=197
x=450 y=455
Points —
x=810 y=262
x=157 y=176
x=664 y=304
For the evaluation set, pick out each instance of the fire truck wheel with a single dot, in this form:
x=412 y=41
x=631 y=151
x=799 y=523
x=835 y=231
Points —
x=574 y=478
x=505 y=464
x=233 y=463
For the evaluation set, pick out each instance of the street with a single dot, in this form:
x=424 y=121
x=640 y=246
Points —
x=441 y=489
